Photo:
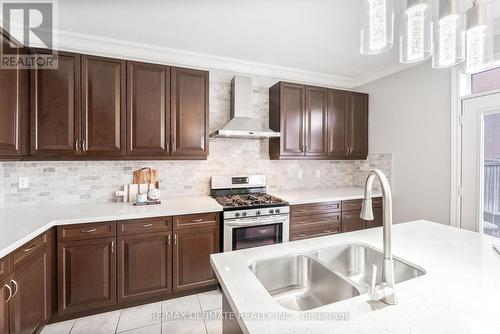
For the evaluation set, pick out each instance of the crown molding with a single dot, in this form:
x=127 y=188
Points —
x=379 y=74
x=116 y=48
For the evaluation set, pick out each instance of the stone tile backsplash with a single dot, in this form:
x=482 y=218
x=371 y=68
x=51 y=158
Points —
x=69 y=182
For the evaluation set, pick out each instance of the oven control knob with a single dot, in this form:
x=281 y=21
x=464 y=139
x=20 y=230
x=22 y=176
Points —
x=277 y=210
x=237 y=214
x=271 y=211
x=244 y=214
x=258 y=212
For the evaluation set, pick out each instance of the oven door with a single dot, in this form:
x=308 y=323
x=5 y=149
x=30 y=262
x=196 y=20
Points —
x=254 y=232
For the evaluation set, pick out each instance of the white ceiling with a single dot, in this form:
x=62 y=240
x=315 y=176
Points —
x=307 y=35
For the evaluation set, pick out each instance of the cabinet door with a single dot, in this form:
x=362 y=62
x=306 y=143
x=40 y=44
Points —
x=30 y=305
x=352 y=222
x=144 y=266
x=4 y=308
x=292 y=102
x=14 y=109
x=148 y=109
x=189 y=107
x=337 y=109
x=55 y=108
x=377 y=218
x=316 y=121
x=86 y=274
x=192 y=249
x=103 y=94
x=357 y=125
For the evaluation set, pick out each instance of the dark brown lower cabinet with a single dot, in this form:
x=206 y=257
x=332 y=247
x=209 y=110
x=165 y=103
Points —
x=29 y=308
x=352 y=222
x=378 y=218
x=192 y=250
x=144 y=266
x=4 y=307
x=87 y=274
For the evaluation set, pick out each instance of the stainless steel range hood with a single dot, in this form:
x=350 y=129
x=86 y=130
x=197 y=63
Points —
x=242 y=125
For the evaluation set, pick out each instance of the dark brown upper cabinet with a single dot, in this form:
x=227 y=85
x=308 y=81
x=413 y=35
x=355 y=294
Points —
x=148 y=109
x=103 y=109
x=189 y=106
x=287 y=102
x=357 y=125
x=14 y=109
x=337 y=109
x=55 y=108
x=317 y=123
x=316 y=143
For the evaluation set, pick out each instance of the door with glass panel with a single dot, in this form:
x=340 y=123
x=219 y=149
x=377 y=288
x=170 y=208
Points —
x=480 y=164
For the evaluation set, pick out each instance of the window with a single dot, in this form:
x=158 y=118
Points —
x=485 y=81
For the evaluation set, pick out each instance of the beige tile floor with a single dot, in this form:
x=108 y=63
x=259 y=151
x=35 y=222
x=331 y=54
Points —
x=179 y=316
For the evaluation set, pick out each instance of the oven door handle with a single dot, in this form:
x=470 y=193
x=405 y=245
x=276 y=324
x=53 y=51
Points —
x=251 y=223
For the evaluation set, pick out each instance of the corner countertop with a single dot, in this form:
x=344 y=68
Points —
x=295 y=197
x=20 y=225
x=458 y=294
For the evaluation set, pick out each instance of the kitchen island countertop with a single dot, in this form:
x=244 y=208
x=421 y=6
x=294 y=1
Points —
x=20 y=225
x=458 y=294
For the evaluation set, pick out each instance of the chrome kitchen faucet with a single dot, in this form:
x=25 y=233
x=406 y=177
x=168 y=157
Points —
x=384 y=290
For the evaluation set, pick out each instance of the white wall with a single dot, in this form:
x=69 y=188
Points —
x=410 y=118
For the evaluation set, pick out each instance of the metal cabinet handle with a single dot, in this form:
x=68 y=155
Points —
x=30 y=248
x=197 y=220
x=112 y=246
x=88 y=231
x=147 y=225
x=303 y=234
x=77 y=147
x=16 y=286
x=169 y=238
x=84 y=146
x=10 y=293
x=175 y=239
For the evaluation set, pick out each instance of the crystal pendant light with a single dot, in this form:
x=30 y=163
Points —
x=478 y=37
x=377 y=26
x=448 y=35
x=415 y=36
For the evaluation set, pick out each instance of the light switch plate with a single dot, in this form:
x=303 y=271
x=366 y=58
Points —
x=300 y=174
x=23 y=182
x=318 y=173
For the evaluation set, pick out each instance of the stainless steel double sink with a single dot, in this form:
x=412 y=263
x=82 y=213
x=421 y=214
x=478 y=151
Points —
x=309 y=280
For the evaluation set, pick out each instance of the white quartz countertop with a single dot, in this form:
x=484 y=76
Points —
x=458 y=294
x=300 y=196
x=20 y=225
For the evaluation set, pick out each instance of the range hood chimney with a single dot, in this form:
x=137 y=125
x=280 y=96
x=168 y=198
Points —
x=242 y=125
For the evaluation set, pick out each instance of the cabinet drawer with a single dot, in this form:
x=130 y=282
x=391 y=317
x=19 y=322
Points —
x=194 y=221
x=310 y=232
x=352 y=205
x=139 y=226
x=4 y=268
x=315 y=220
x=22 y=254
x=308 y=209
x=86 y=231
x=377 y=202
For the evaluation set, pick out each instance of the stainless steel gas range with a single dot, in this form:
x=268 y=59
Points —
x=251 y=217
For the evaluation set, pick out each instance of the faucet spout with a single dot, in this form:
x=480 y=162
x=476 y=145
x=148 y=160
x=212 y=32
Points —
x=385 y=290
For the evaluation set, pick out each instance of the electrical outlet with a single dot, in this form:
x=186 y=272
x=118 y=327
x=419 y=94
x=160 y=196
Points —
x=318 y=173
x=300 y=174
x=24 y=182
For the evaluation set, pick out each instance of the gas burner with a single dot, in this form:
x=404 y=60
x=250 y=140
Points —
x=249 y=200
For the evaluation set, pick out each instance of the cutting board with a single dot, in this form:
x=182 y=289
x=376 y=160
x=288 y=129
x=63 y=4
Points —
x=147 y=175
